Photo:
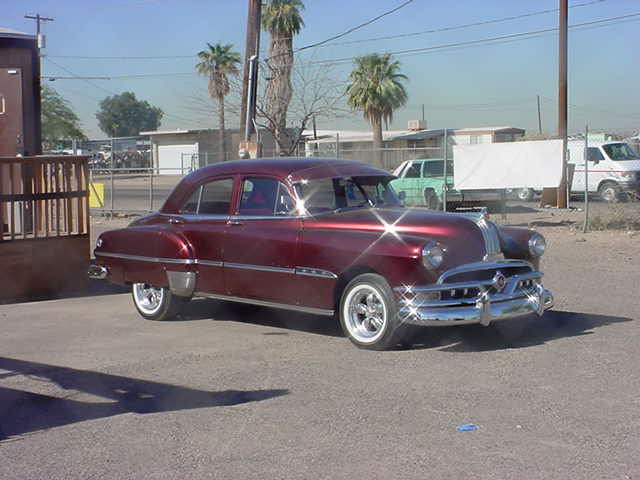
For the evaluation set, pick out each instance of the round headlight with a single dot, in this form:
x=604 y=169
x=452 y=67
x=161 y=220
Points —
x=537 y=245
x=432 y=256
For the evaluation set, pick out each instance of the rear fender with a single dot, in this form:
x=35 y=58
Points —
x=144 y=254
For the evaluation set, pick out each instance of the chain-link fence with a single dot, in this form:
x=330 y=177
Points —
x=127 y=176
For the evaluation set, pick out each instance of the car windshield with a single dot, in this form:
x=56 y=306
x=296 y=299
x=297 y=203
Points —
x=331 y=194
x=620 y=151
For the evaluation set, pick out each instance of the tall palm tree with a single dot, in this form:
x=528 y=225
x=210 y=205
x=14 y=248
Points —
x=376 y=88
x=282 y=19
x=218 y=62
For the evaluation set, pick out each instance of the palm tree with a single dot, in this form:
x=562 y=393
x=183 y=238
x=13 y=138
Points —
x=282 y=19
x=218 y=62
x=376 y=88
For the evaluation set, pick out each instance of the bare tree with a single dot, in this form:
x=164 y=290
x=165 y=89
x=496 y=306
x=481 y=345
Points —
x=316 y=94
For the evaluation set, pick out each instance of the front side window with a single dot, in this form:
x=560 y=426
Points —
x=594 y=154
x=265 y=197
x=413 y=171
x=620 y=151
x=213 y=198
x=330 y=194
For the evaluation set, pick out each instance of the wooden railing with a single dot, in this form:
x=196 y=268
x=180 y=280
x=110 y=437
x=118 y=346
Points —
x=43 y=197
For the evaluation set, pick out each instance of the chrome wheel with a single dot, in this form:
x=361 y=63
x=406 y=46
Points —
x=148 y=298
x=365 y=313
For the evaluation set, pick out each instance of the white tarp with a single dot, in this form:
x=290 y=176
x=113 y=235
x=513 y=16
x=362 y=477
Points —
x=536 y=164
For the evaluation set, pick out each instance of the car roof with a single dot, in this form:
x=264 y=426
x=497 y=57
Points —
x=294 y=168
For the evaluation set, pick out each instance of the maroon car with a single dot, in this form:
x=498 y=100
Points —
x=328 y=237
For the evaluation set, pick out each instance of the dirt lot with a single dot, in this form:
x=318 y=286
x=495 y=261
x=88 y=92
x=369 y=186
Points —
x=88 y=389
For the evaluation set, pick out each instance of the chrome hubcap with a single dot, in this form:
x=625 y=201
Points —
x=147 y=297
x=365 y=313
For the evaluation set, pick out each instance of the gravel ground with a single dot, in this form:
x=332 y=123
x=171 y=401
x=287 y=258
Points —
x=88 y=389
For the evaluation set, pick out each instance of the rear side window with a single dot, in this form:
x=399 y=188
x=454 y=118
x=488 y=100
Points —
x=213 y=198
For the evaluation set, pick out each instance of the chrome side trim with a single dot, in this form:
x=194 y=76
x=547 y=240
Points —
x=314 y=272
x=265 y=217
x=471 y=267
x=259 y=268
x=209 y=263
x=182 y=283
x=124 y=256
x=261 y=303
x=197 y=218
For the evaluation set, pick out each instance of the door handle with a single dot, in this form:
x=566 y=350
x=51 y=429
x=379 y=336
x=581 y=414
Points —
x=234 y=222
x=176 y=221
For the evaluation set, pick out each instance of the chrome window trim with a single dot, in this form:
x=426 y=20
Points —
x=314 y=272
x=259 y=268
x=262 y=303
x=124 y=256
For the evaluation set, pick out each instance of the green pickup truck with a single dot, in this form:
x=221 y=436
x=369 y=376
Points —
x=422 y=182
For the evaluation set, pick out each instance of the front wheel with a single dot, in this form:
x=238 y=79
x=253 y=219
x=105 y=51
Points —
x=431 y=199
x=368 y=313
x=156 y=303
x=609 y=192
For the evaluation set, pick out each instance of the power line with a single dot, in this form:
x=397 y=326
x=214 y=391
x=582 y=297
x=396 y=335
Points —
x=324 y=42
x=353 y=29
x=483 y=40
x=460 y=27
x=456 y=45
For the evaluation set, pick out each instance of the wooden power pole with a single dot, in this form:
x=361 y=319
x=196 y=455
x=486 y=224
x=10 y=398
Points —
x=252 y=48
x=562 y=99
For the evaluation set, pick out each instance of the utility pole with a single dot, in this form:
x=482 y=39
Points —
x=252 y=49
x=41 y=38
x=539 y=117
x=562 y=99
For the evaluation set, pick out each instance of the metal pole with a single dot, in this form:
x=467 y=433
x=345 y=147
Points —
x=112 y=191
x=151 y=189
x=586 y=179
x=444 y=171
x=251 y=107
x=337 y=145
x=539 y=117
x=562 y=99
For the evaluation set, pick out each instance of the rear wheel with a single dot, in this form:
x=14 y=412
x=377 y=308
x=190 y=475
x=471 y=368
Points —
x=156 y=303
x=368 y=313
x=524 y=194
x=609 y=192
x=431 y=199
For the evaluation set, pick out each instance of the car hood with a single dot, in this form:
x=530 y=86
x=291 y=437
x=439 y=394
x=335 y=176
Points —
x=456 y=232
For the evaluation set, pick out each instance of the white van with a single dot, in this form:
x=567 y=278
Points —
x=613 y=167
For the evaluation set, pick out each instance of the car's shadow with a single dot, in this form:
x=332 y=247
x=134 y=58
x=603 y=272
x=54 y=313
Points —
x=283 y=320
x=23 y=412
x=514 y=333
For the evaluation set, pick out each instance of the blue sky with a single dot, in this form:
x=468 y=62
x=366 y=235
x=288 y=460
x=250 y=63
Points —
x=468 y=86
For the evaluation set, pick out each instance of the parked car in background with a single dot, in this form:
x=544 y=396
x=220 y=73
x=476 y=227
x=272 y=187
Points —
x=423 y=183
x=613 y=170
x=327 y=237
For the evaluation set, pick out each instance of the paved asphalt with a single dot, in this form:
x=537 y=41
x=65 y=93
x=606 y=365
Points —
x=90 y=390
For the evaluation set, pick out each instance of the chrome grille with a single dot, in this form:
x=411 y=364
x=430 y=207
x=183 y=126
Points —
x=490 y=237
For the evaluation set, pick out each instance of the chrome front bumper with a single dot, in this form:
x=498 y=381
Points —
x=520 y=295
